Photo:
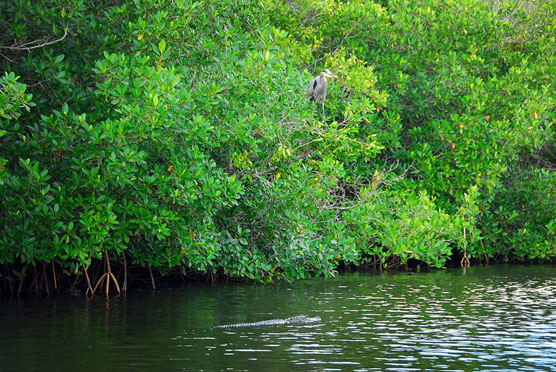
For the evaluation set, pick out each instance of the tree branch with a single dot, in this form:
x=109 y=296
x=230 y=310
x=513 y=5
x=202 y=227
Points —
x=29 y=46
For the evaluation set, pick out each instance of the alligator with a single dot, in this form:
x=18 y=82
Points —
x=300 y=319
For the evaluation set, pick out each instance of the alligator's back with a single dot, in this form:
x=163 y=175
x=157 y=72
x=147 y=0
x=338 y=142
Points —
x=300 y=319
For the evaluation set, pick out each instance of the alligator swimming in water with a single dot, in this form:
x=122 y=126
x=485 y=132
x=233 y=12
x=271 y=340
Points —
x=300 y=319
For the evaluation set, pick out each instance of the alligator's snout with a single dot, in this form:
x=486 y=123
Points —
x=303 y=319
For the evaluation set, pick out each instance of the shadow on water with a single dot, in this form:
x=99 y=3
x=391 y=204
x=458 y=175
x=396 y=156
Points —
x=495 y=318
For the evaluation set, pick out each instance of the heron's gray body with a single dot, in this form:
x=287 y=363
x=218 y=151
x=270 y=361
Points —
x=300 y=319
x=317 y=89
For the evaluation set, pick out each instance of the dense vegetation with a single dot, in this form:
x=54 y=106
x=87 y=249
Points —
x=176 y=136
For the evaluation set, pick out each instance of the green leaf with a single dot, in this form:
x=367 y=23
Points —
x=162 y=46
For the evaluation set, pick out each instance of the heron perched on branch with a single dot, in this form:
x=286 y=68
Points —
x=317 y=87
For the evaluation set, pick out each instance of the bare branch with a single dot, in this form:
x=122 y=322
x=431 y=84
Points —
x=36 y=43
x=7 y=58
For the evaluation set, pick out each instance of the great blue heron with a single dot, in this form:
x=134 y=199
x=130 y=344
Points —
x=317 y=87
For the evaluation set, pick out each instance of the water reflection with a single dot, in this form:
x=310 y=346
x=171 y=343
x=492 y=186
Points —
x=435 y=321
x=496 y=318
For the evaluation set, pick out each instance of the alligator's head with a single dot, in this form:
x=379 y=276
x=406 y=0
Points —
x=303 y=319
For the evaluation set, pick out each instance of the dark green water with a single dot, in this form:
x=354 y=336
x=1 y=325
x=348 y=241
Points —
x=495 y=318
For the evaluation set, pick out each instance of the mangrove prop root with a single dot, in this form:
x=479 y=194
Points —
x=89 y=287
x=75 y=282
x=464 y=260
x=99 y=281
x=116 y=283
x=107 y=287
x=124 y=286
x=484 y=252
x=45 y=280
x=96 y=272
x=107 y=276
x=54 y=275
x=112 y=275
x=35 y=281
x=152 y=278
x=20 y=287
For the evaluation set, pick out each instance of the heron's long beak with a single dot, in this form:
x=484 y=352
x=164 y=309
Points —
x=331 y=75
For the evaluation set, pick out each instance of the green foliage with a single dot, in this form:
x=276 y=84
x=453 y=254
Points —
x=180 y=134
x=524 y=214
x=13 y=101
x=409 y=225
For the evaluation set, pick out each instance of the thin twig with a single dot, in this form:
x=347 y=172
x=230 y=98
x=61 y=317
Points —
x=343 y=40
x=6 y=57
